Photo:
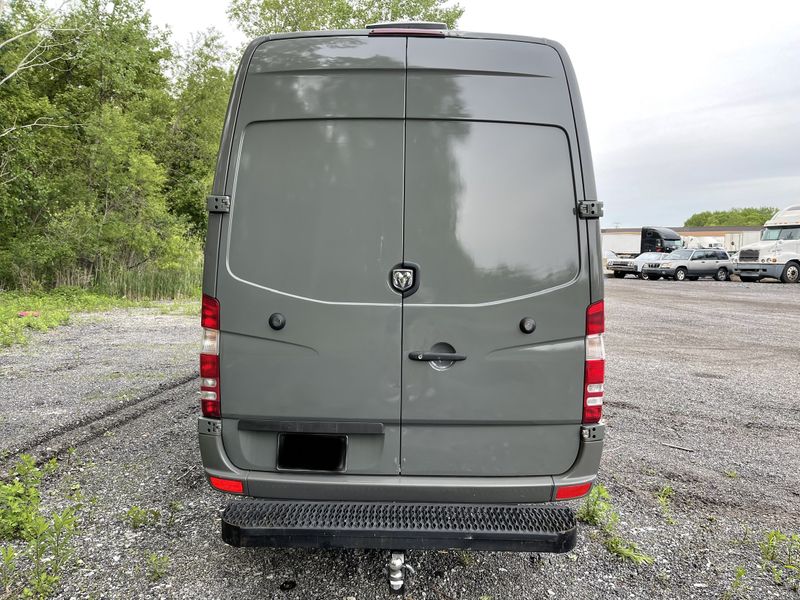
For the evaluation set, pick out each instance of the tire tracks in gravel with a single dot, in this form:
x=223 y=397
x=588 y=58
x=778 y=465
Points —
x=57 y=441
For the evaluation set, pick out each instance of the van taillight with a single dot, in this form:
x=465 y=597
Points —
x=209 y=358
x=209 y=313
x=595 y=366
x=596 y=318
x=567 y=492
x=226 y=485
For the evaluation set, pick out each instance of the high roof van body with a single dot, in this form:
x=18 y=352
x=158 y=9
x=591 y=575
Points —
x=403 y=297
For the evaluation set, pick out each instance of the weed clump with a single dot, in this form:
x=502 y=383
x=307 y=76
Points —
x=597 y=510
x=664 y=497
x=138 y=517
x=780 y=558
x=42 y=542
x=157 y=567
x=737 y=585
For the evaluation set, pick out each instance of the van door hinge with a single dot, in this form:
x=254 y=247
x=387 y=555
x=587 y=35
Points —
x=590 y=209
x=218 y=204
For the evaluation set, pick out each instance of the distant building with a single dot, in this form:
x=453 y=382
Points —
x=626 y=239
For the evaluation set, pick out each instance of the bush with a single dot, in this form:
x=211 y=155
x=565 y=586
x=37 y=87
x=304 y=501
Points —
x=47 y=548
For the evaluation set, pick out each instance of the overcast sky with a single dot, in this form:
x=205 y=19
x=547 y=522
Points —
x=691 y=105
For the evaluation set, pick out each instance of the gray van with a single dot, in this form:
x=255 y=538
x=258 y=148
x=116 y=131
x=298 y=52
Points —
x=403 y=294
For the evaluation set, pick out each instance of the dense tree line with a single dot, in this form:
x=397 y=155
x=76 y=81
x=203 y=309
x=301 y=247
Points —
x=108 y=137
x=109 y=133
x=735 y=217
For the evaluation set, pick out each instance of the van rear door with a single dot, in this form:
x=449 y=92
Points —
x=315 y=227
x=490 y=220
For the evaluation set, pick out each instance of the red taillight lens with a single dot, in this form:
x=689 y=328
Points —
x=595 y=366
x=209 y=313
x=596 y=318
x=565 y=492
x=209 y=386
x=593 y=392
x=209 y=359
x=209 y=365
x=210 y=409
x=227 y=485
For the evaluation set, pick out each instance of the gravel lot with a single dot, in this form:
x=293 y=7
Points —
x=97 y=365
x=710 y=367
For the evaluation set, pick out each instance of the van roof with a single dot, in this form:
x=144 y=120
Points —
x=449 y=33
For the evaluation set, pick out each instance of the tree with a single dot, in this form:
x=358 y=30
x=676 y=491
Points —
x=735 y=217
x=261 y=17
x=30 y=39
x=82 y=201
x=203 y=82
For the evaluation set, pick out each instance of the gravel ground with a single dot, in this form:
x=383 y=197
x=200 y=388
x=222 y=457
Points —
x=99 y=363
x=709 y=367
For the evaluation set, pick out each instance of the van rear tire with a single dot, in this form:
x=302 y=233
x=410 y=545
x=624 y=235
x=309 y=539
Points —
x=722 y=274
x=791 y=273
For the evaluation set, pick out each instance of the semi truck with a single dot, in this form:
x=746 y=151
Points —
x=652 y=239
x=777 y=253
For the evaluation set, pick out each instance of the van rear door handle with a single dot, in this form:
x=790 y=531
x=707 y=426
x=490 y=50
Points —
x=436 y=356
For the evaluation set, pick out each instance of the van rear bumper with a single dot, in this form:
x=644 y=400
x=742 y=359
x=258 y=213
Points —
x=393 y=525
x=398 y=488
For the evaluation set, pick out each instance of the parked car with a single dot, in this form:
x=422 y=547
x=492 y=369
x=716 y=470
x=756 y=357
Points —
x=692 y=264
x=394 y=356
x=633 y=266
x=608 y=256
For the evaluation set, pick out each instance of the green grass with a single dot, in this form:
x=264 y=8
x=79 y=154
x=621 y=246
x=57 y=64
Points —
x=41 y=541
x=598 y=510
x=150 y=283
x=138 y=517
x=737 y=585
x=157 y=567
x=664 y=497
x=183 y=309
x=780 y=557
x=21 y=313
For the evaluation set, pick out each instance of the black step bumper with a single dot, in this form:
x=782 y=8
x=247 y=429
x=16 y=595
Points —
x=399 y=526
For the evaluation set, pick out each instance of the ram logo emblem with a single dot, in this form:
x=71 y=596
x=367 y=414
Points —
x=402 y=279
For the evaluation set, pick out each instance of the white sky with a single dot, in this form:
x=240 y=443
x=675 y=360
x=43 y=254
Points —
x=691 y=105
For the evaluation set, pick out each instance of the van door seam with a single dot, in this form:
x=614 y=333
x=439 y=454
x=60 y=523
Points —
x=403 y=253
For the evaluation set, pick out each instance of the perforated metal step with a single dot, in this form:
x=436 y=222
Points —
x=407 y=526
